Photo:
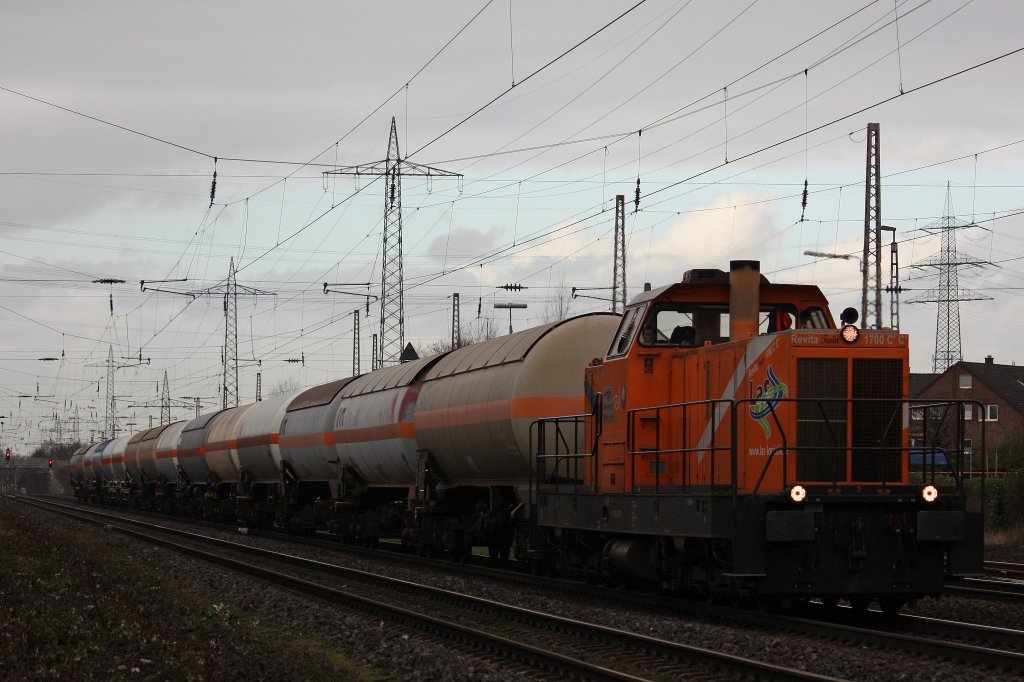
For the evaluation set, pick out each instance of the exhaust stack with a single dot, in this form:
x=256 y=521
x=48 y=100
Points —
x=744 y=298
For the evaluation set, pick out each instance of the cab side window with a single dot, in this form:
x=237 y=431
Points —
x=627 y=330
x=814 y=318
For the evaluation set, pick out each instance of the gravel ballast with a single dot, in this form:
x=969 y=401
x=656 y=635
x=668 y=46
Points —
x=354 y=646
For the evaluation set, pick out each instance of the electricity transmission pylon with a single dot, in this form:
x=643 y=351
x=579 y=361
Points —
x=948 y=293
x=110 y=423
x=165 y=402
x=231 y=289
x=392 y=312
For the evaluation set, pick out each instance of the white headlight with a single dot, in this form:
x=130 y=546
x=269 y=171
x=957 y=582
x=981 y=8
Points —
x=849 y=333
x=797 y=493
x=930 y=493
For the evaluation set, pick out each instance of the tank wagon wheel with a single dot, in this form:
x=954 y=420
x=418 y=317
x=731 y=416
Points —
x=860 y=604
x=830 y=602
x=891 y=606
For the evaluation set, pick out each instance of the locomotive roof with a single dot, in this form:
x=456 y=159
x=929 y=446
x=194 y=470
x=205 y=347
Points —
x=717 y=281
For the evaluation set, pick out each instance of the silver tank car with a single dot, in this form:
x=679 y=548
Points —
x=113 y=458
x=191 y=455
x=91 y=470
x=222 y=442
x=476 y=404
x=374 y=431
x=257 y=448
x=471 y=409
x=131 y=455
x=307 y=432
x=166 y=452
x=75 y=465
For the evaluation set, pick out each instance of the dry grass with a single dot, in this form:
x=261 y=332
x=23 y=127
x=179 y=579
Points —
x=1005 y=544
x=78 y=606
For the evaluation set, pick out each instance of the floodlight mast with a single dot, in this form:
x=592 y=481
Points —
x=510 y=307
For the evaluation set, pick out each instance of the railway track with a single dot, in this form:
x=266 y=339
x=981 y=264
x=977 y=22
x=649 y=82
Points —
x=992 y=590
x=532 y=640
x=997 y=648
x=1005 y=569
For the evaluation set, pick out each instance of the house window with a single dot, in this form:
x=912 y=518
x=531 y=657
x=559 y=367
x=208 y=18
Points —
x=968 y=412
x=968 y=443
x=965 y=380
x=992 y=413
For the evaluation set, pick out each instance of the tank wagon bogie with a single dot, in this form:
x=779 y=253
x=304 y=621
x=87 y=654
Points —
x=721 y=436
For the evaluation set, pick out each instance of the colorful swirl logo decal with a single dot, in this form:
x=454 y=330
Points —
x=768 y=395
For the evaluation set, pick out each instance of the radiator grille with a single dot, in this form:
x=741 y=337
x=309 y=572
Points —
x=877 y=425
x=821 y=425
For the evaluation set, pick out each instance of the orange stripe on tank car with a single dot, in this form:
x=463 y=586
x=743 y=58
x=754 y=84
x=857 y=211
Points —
x=166 y=454
x=257 y=441
x=461 y=415
x=539 y=408
x=406 y=430
x=499 y=410
x=192 y=452
x=308 y=440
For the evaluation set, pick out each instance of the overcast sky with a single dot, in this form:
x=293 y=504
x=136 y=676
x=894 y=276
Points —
x=113 y=114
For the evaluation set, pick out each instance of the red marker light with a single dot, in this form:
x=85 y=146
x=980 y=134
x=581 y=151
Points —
x=49 y=463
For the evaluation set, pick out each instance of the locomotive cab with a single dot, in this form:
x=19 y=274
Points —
x=739 y=443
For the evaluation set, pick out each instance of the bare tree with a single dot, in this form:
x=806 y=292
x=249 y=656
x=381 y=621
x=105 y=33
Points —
x=290 y=384
x=481 y=329
x=557 y=305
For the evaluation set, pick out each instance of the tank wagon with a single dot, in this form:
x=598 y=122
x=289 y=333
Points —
x=723 y=436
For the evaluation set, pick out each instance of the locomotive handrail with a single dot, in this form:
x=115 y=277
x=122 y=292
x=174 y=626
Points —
x=539 y=449
x=711 y=448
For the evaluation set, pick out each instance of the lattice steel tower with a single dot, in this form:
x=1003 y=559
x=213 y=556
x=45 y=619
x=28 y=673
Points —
x=165 y=402
x=392 y=311
x=456 y=324
x=230 y=393
x=110 y=425
x=871 y=289
x=356 y=352
x=948 y=293
x=231 y=290
x=619 y=267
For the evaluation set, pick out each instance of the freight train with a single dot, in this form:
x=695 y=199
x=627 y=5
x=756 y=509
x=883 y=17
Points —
x=722 y=436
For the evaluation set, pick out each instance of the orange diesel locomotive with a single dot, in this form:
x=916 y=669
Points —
x=739 y=443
